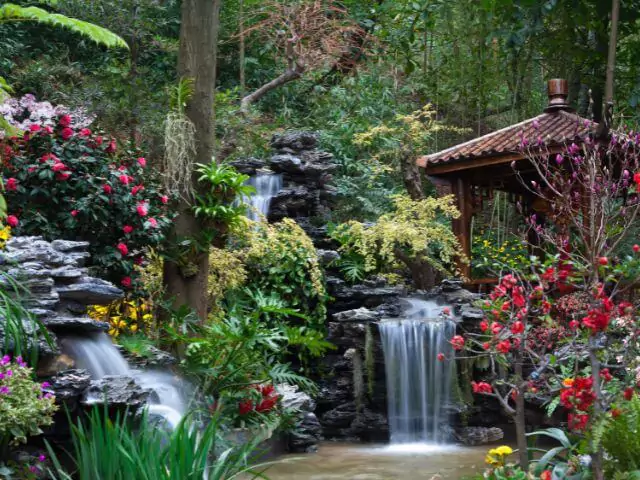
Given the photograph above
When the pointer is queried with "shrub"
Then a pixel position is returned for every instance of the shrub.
(67, 182)
(25, 406)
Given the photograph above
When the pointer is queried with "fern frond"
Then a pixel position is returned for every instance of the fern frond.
(11, 12)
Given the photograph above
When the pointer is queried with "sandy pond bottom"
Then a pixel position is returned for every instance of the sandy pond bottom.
(338, 461)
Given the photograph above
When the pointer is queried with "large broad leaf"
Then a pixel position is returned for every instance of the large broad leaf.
(556, 434)
(12, 12)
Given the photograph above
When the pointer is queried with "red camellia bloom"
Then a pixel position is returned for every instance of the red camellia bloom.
(11, 185)
(628, 393)
(106, 188)
(124, 179)
(124, 250)
(142, 162)
(74, 213)
(481, 387)
(85, 132)
(504, 346)
(62, 176)
(127, 229)
(12, 221)
(65, 120)
(603, 261)
(164, 199)
(578, 421)
(441, 357)
(142, 209)
(34, 128)
(49, 156)
(597, 320)
(486, 345)
(495, 328)
(517, 327)
(58, 167)
(126, 282)
(136, 189)
(605, 374)
(636, 248)
(66, 133)
(111, 148)
(153, 222)
(457, 342)
(484, 325)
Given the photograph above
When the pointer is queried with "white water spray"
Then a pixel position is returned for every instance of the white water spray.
(418, 384)
(267, 186)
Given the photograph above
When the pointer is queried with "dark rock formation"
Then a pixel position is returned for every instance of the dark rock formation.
(119, 392)
(307, 431)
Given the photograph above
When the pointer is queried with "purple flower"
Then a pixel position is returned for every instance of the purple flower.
(41, 458)
(9, 373)
(573, 149)
(536, 124)
(45, 385)
(5, 360)
(48, 395)
(559, 159)
(4, 391)
(1, 376)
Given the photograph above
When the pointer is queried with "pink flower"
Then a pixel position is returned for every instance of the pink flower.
(127, 229)
(124, 179)
(517, 327)
(153, 222)
(85, 132)
(457, 342)
(441, 357)
(124, 250)
(106, 188)
(636, 248)
(142, 162)
(111, 148)
(74, 213)
(142, 209)
(126, 282)
(136, 189)
(62, 176)
(164, 199)
(603, 260)
(31, 169)
(122, 168)
(11, 184)
(66, 133)
(48, 129)
(58, 167)
(65, 120)
(49, 156)
(12, 221)
(34, 128)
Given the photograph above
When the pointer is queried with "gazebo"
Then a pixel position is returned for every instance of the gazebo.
(474, 169)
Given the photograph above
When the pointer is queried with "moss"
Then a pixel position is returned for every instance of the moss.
(369, 360)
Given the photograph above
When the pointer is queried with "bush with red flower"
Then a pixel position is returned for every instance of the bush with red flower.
(66, 181)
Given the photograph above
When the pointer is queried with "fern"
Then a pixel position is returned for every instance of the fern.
(620, 438)
(551, 407)
(10, 12)
(281, 373)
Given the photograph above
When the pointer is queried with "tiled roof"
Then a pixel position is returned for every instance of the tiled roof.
(554, 128)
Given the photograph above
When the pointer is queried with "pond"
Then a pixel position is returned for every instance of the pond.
(342, 461)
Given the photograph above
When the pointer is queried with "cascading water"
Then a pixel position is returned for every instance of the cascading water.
(417, 383)
(97, 354)
(267, 185)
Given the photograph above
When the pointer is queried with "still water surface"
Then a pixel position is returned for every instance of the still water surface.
(338, 461)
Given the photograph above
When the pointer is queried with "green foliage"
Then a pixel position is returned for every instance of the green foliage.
(621, 439)
(562, 460)
(281, 260)
(24, 407)
(15, 13)
(490, 256)
(117, 449)
(414, 231)
(71, 184)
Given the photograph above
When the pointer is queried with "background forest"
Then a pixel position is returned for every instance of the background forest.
(381, 59)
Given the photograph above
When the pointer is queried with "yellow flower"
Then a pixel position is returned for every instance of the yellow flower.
(133, 328)
(567, 382)
(504, 450)
(492, 461)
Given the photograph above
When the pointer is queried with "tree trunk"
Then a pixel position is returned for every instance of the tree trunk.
(607, 115)
(520, 420)
(289, 75)
(197, 60)
(242, 48)
(411, 177)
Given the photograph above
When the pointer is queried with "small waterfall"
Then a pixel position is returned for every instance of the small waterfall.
(267, 185)
(99, 356)
(418, 384)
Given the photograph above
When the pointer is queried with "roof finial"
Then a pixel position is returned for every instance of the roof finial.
(558, 91)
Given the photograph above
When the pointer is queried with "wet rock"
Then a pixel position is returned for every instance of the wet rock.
(35, 335)
(326, 257)
(292, 397)
(361, 315)
(74, 324)
(69, 246)
(370, 426)
(295, 141)
(69, 385)
(336, 422)
(451, 285)
(91, 291)
(478, 435)
(461, 296)
(116, 391)
(471, 314)
(153, 357)
(286, 163)
(306, 434)
(248, 166)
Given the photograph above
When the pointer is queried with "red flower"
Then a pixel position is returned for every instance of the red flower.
(85, 132)
(441, 357)
(484, 325)
(603, 261)
(66, 133)
(636, 248)
(605, 374)
(65, 120)
(495, 328)
(517, 327)
(48, 129)
(124, 250)
(49, 156)
(124, 179)
(486, 345)
(164, 199)
(58, 167)
(628, 393)
(446, 311)
(546, 475)
(126, 282)
(616, 412)
(481, 387)
(98, 141)
(457, 342)
(267, 404)
(127, 229)
(574, 324)
(142, 162)
(136, 189)
(106, 188)
(12, 221)
(34, 128)
(597, 321)
(578, 421)
(142, 209)
(504, 346)
(74, 213)
(11, 184)
(153, 222)
(111, 148)
(245, 407)
(518, 297)
(62, 176)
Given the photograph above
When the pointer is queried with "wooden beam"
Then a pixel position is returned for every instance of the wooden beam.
(462, 225)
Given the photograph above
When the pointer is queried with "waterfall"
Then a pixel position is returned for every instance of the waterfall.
(418, 384)
(99, 356)
(267, 185)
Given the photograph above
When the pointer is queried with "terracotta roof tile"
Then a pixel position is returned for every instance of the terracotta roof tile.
(554, 128)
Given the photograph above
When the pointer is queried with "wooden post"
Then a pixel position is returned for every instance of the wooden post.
(462, 226)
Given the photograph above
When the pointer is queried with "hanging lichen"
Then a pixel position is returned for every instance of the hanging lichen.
(358, 380)
(369, 360)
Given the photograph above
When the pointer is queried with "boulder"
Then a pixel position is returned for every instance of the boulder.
(370, 426)
(473, 436)
(327, 257)
(91, 291)
(248, 166)
(61, 323)
(306, 434)
(116, 391)
(360, 315)
(291, 397)
(69, 385)
(295, 140)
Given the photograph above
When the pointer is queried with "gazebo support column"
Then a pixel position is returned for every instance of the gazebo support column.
(462, 226)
